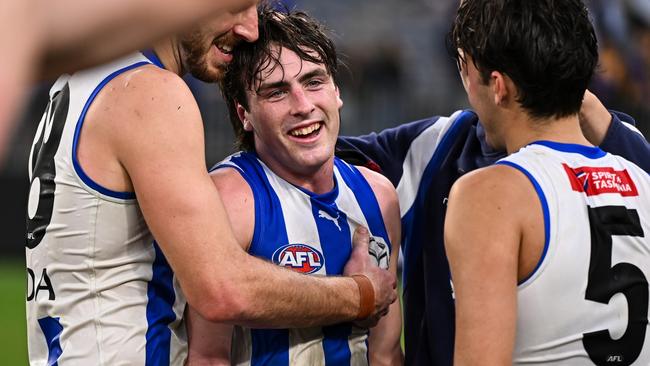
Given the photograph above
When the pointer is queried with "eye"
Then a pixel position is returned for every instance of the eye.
(275, 94)
(314, 83)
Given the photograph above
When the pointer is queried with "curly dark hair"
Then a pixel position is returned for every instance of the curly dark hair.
(547, 47)
(290, 29)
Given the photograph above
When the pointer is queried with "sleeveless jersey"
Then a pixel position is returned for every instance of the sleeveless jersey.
(586, 303)
(99, 292)
(311, 234)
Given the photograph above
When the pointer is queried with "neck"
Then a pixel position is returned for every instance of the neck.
(524, 130)
(318, 180)
(168, 50)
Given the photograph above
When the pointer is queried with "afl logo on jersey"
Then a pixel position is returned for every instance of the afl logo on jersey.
(299, 257)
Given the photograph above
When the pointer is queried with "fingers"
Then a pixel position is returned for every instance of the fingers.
(359, 258)
(361, 239)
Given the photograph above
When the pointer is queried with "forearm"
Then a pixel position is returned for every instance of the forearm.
(272, 297)
(209, 343)
(83, 33)
(384, 346)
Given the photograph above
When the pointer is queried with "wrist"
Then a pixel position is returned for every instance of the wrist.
(366, 296)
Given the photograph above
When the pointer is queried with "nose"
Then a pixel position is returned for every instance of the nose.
(246, 27)
(301, 105)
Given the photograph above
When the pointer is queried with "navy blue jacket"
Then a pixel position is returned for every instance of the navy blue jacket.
(423, 159)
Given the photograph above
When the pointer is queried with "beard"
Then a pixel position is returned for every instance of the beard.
(195, 49)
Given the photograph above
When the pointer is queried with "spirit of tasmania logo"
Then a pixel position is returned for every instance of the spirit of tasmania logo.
(598, 180)
(299, 257)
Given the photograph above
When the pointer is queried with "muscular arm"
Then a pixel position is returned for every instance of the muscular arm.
(159, 142)
(79, 34)
(384, 340)
(210, 342)
(486, 213)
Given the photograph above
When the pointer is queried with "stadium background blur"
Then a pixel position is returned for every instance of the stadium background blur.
(398, 70)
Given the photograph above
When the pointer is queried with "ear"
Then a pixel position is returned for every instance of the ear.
(339, 101)
(242, 113)
(502, 87)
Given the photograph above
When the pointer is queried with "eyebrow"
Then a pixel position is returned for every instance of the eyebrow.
(282, 83)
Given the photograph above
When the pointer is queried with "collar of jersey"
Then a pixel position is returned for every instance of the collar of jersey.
(151, 55)
(591, 152)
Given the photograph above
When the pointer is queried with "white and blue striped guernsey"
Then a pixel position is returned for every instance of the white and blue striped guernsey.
(100, 291)
(312, 234)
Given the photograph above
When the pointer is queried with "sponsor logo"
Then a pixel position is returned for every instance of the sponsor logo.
(324, 215)
(39, 285)
(598, 180)
(299, 257)
(615, 358)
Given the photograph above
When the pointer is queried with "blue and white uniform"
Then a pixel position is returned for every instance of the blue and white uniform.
(423, 159)
(312, 234)
(99, 292)
(586, 303)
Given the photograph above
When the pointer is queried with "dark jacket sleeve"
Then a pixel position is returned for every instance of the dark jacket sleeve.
(384, 151)
(623, 141)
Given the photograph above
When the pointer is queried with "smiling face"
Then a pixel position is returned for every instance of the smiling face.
(294, 116)
(206, 49)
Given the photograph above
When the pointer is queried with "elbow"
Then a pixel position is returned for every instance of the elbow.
(225, 304)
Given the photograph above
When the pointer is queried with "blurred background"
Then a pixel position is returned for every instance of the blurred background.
(398, 70)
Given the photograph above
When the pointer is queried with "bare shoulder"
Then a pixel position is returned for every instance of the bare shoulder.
(489, 206)
(237, 197)
(388, 203)
(383, 188)
(144, 96)
(148, 114)
(232, 186)
(498, 183)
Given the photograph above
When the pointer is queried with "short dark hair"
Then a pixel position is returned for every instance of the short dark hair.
(547, 47)
(290, 29)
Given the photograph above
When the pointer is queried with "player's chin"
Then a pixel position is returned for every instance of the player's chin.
(210, 73)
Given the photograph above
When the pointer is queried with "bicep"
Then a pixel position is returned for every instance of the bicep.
(384, 339)
(482, 244)
(161, 149)
(239, 202)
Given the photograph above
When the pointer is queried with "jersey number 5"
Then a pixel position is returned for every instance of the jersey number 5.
(43, 169)
(604, 281)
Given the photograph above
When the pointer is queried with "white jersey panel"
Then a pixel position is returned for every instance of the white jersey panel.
(95, 275)
(587, 302)
(318, 230)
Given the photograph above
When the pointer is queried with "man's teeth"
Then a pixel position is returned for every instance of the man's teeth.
(224, 49)
(305, 130)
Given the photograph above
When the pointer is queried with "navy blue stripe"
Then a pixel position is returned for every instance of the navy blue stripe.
(160, 311)
(365, 197)
(52, 329)
(153, 57)
(77, 167)
(547, 221)
(335, 345)
(269, 346)
(590, 152)
(334, 240)
(336, 244)
(412, 244)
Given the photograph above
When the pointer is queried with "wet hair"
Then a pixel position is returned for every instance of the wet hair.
(547, 47)
(289, 29)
